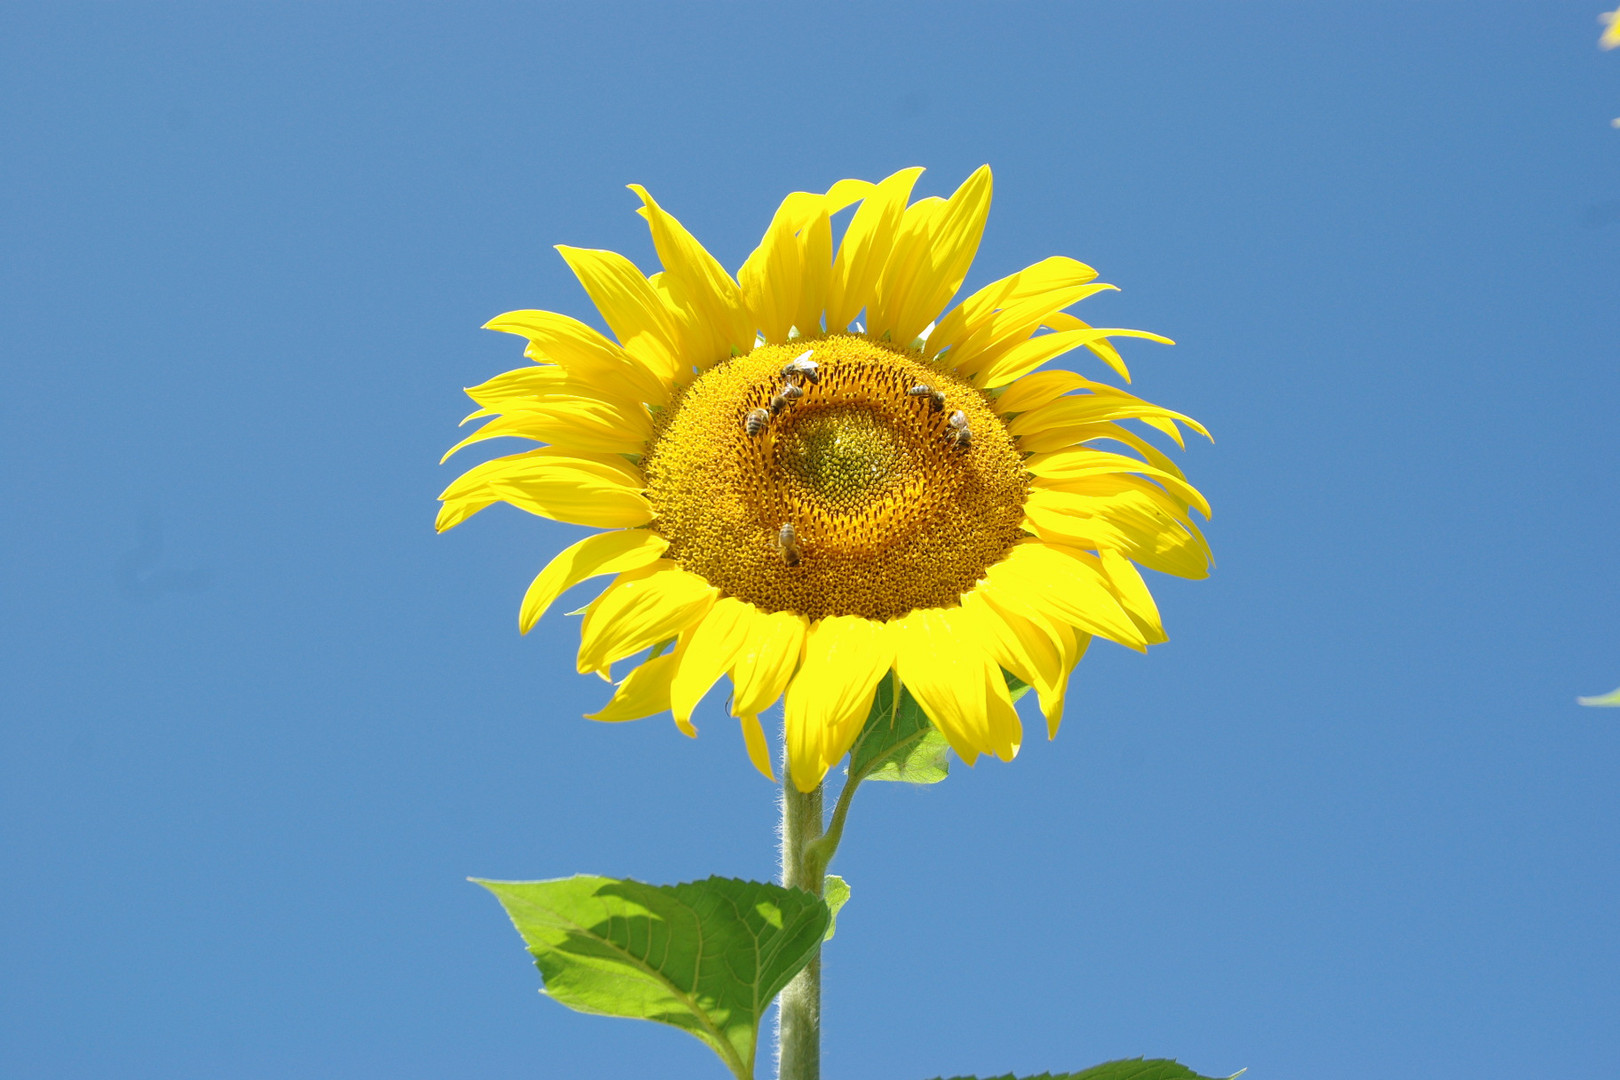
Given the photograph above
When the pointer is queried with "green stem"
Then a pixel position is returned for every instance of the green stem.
(799, 1016)
(819, 854)
(806, 854)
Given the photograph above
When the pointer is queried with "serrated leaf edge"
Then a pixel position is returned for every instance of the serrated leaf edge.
(738, 1067)
(729, 1053)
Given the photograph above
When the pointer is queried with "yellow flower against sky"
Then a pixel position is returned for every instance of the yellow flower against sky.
(807, 503)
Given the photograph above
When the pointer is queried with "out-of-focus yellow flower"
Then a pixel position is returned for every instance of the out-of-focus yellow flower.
(1611, 35)
(807, 504)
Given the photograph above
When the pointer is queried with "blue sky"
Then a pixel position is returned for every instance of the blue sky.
(259, 722)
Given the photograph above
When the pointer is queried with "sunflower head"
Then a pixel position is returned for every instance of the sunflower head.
(806, 502)
(842, 488)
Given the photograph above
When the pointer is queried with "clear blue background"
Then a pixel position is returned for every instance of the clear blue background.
(260, 722)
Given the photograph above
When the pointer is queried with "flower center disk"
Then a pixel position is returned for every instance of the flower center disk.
(888, 506)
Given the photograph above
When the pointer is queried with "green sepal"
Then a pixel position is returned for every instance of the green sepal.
(1016, 687)
(1125, 1069)
(835, 893)
(706, 956)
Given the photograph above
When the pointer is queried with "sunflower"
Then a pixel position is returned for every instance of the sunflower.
(811, 504)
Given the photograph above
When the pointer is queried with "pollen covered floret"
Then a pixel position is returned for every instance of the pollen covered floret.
(887, 513)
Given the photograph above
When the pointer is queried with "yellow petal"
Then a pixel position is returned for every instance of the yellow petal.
(692, 273)
(581, 424)
(784, 281)
(635, 313)
(1003, 330)
(521, 385)
(866, 247)
(1030, 624)
(1074, 645)
(1053, 425)
(580, 489)
(640, 609)
(770, 278)
(930, 259)
(1086, 532)
(1026, 356)
(758, 752)
(1033, 391)
(644, 692)
(610, 466)
(944, 665)
(459, 509)
(764, 668)
(584, 353)
(1025, 648)
(1123, 512)
(1057, 272)
(469, 493)
(1064, 469)
(695, 340)
(844, 657)
(1059, 582)
(909, 259)
(1153, 455)
(600, 553)
(710, 651)
(1102, 349)
(578, 493)
(815, 253)
(1127, 585)
(1006, 731)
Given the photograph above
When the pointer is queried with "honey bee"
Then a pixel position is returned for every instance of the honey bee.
(787, 544)
(791, 391)
(778, 403)
(755, 421)
(936, 400)
(802, 366)
(960, 435)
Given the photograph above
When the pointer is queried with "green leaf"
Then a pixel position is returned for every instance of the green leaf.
(1126, 1069)
(898, 742)
(1609, 700)
(835, 892)
(706, 956)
